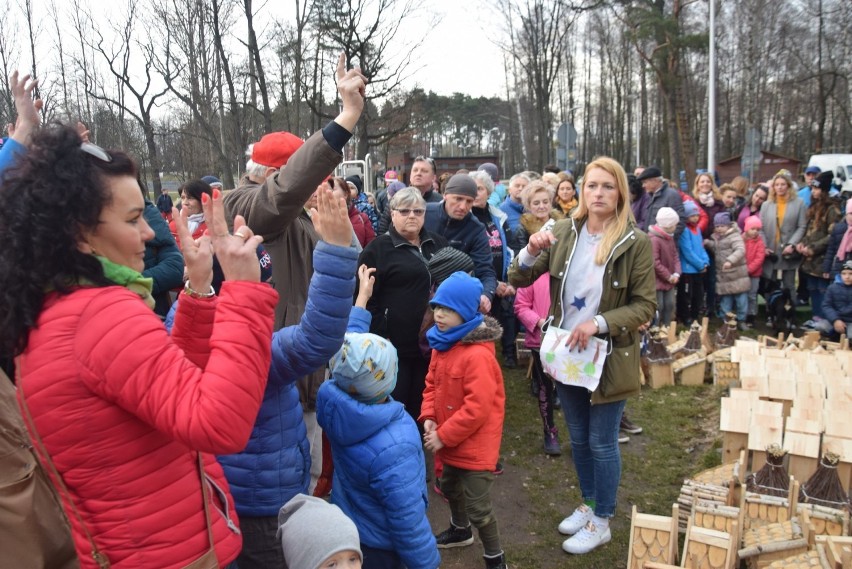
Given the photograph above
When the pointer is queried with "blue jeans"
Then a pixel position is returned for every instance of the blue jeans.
(726, 304)
(594, 444)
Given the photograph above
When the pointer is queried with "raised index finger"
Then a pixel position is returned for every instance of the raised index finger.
(341, 66)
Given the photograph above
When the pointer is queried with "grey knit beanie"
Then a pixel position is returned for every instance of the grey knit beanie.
(461, 184)
(312, 530)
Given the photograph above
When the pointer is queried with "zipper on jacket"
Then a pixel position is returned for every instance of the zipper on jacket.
(223, 497)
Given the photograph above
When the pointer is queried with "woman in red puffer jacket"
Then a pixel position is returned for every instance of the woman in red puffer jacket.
(120, 413)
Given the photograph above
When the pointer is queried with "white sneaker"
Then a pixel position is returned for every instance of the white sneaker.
(587, 539)
(575, 522)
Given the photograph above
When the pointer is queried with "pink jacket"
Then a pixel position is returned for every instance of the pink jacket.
(666, 259)
(123, 409)
(755, 255)
(532, 303)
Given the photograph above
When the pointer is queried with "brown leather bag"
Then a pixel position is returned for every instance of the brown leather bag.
(35, 532)
(206, 561)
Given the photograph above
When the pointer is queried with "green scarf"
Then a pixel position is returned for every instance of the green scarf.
(130, 279)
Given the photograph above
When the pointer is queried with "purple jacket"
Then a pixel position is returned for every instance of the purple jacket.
(640, 209)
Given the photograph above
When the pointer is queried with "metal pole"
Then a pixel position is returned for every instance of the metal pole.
(711, 99)
(637, 118)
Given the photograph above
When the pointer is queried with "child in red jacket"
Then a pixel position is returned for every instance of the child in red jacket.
(755, 255)
(462, 412)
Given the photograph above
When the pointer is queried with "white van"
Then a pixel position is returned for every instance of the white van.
(840, 164)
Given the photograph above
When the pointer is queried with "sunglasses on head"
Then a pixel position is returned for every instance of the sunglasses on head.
(96, 151)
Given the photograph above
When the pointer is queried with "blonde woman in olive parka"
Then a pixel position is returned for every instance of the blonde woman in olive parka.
(602, 284)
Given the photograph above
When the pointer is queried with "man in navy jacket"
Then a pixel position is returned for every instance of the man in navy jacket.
(452, 219)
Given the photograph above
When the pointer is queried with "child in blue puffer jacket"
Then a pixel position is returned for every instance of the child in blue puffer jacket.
(694, 262)
(379, 469)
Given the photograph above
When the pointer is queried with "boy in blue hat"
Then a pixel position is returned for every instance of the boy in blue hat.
(379, 468)
(462, 412)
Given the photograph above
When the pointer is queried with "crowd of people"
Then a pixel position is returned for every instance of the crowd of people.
(217, 385)
(718, 248)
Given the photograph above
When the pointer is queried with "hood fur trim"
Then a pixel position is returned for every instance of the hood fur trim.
(489, 331)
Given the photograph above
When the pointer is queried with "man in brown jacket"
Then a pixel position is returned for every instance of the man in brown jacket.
(272, 199)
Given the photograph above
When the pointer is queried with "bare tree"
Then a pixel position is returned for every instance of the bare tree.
(364, 31)
(144, 96)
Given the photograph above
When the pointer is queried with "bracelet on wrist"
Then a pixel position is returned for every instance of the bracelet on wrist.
(189, 291)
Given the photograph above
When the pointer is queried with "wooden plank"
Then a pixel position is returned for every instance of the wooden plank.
(806, 388)
(802, 425)
(660, 375)
(740, 393)
(782, 387)
(802, 467)
(771, 408)
(801, 444)
(735, 416)
(808, 413)
(753, 367)
(839, 389)
(732, 445)
(810, 339)
(765, 430)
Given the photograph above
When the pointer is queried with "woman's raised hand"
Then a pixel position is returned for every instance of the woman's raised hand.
(331, 219)
(27, 109)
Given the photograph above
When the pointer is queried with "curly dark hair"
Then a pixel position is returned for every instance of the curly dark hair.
(47, 199)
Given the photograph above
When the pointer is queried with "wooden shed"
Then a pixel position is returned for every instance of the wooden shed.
(770, 163)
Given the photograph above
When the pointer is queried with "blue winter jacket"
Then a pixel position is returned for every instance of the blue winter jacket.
(466, 235)
(837, 303)
(163, 259)
(379, 470)
(693, 256)
(498, 195)
(276, 463)
(9, 153)
(513, 211)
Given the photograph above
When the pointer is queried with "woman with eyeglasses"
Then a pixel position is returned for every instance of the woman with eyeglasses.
(401, 293)
(127, 420)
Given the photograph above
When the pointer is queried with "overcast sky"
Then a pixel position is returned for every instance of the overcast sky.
(460, 55)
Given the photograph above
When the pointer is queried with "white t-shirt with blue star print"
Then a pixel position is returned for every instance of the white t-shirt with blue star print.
(581, 293)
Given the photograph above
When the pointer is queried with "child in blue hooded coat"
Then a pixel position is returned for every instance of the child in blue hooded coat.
(379, 469)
